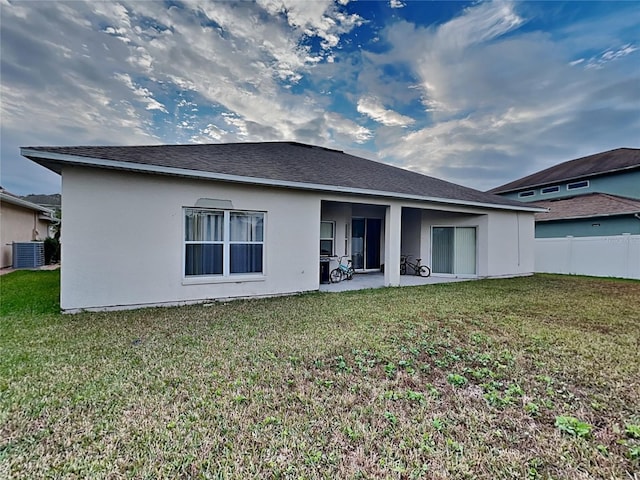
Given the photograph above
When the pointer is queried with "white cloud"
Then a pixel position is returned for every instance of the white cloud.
(499, 106)
(610, 55)
(374, 109)
(493, 98)
(397, 4)
(345, 127)
(142, 94)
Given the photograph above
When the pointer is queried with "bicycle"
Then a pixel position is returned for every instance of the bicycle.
(342, 271)
(418, 269)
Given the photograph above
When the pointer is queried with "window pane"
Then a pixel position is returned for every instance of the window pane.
(326, 247)
(246, 227)
(246, 258)
(465, 253)
(203, 226)
(442, 250)
(203, 259)
(326, 230)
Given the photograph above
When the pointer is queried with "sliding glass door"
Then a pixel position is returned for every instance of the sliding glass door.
(365, 243)
(453, 250)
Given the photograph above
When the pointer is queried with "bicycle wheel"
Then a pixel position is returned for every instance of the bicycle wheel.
(403, 269)
(336, 275)
(425, 271)
(350, 273)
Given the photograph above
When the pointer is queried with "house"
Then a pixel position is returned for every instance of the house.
(21, 221)
(592, 222)
(597, 195)
(177, 224)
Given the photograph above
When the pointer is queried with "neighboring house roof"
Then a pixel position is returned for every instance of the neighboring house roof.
(7, 197)
(588, 205)
(598, 164)
(285, 164)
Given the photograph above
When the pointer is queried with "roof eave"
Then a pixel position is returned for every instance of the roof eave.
(43, 158)
(24, 203)
(584, 217)
(568, 179)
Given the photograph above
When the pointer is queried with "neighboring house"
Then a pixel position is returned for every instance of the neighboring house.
(592, 226)
(21, 221)
(596, 195)
(176, 224)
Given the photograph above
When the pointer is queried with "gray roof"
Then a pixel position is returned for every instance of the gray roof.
(289, 162)
(584, 167)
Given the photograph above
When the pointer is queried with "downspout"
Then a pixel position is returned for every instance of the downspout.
(518, 227)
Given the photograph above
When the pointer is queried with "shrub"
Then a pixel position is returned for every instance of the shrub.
(51, 250)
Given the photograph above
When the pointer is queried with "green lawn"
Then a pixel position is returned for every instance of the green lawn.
(523, 378)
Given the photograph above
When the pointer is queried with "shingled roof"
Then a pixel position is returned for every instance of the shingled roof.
(584, 167)
(285, 164)
(586, 206)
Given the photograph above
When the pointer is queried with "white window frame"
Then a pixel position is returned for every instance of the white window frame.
(455, 275)
(333, 238)
(569, 185)
(557, 189)
(527, 193)
(226, 242)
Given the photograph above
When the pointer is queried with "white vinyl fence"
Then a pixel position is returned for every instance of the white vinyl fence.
(614, 256)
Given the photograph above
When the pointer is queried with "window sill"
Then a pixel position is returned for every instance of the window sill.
(220, 279)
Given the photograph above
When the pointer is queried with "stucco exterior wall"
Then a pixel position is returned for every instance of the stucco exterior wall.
(123, 239)
(510, 244)
(18, 224)
(123, 245)
(504, 239)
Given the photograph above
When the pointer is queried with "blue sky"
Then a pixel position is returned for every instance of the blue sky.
(477, 93)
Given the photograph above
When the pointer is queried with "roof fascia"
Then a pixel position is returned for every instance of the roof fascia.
(24, 203)
(584, 217)
(568, 179)
(183, 172)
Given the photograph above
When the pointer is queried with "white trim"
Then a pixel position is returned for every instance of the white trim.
(26, 204)
(333, 238)
(569, 188)
(557, 190)
(183, 172)
(226, 276)
(477, 255)
(232, 278)
(584, 217)
(529, 193)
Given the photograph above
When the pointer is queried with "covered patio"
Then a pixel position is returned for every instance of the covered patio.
(362, 281)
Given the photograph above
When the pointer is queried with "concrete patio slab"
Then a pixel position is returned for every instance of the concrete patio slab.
(362, 281)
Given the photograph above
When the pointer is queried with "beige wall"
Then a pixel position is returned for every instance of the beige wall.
(18, 224)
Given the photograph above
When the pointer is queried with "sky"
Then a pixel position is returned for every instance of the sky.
(476, 93)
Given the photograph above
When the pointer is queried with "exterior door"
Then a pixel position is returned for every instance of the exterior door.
(365, 243)
(453, 250)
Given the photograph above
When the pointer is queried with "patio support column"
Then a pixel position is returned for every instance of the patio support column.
(392, 228)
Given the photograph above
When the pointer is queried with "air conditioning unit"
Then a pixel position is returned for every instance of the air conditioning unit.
(28, 254)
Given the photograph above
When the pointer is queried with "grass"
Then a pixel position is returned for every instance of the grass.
(522, 378)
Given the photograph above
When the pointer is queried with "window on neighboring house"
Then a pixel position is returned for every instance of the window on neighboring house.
(223, 242)
(575, 185)
(327, 236)
(553, 189)
(528, 193)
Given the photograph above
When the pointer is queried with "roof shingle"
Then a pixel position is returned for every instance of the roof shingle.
(278, 161)
(598, 164)
(588, 205)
